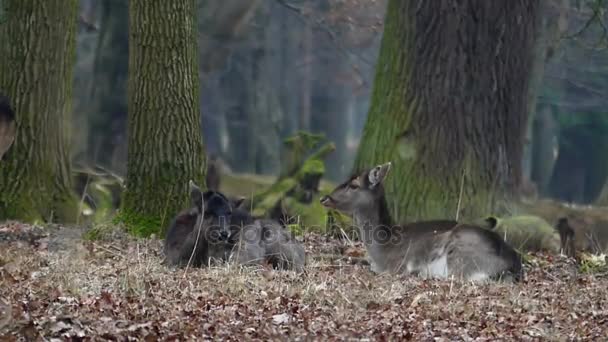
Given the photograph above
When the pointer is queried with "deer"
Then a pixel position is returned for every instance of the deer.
(576, 235)
(199, 234)
(215, 229)
(430, 249)
(282, 250)
(7, 125)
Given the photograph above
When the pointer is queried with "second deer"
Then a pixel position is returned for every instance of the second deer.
(438, 249)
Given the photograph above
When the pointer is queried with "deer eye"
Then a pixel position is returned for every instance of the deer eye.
(353, 186)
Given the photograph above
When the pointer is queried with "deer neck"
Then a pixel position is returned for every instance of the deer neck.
(374, 222)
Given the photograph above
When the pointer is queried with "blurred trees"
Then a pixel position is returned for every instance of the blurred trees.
(446, 109)
(165, 143)
(36, 67)
(569, 160)
(108, 93)
(271, 68)
(268, 69)
(295, 65)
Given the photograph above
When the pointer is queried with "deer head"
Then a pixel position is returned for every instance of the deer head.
(360, 193)
(215, 210)
(566, 236)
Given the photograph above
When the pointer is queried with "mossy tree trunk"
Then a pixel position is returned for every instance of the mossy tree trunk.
(450, 98)
(165, 141)
(37, 56)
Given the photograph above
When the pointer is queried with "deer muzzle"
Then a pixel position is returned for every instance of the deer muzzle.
(327, 201)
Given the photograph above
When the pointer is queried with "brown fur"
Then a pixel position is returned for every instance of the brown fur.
(580, 235)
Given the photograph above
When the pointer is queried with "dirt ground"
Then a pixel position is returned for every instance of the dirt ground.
(55, 286)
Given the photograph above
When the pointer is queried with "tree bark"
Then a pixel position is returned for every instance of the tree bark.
(37, 56)
(165, 141)
(450, 98)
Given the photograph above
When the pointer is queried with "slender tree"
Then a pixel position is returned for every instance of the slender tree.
(108, 106)
(165, 142)
(37, 56)
(449, 104)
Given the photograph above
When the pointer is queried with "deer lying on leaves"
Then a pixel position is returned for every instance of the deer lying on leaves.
(216, 230)
(578, 236)
(197, 232)
(429, 249)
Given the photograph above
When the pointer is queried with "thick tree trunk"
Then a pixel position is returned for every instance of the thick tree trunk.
(108, 118)
(165, 142)
(37, 56)
(450, 98)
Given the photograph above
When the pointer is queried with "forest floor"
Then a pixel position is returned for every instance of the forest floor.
(57, 286)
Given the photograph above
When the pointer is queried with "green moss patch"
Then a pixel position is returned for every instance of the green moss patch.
(526, 233)
(139, 225)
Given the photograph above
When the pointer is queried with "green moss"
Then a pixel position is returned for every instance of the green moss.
(65, 210)
(527, 233)
(304, 140)
(103, 200)
(139, 225)
(311, 167)
(40, 207)
(22, 209)
(266, 200)
(244, 184)
(312, 217)
(295, 229)
(592, 263)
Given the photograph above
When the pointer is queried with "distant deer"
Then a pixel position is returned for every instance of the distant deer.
(429, 249)
(576, 235)
(566, 236)
(7, 125)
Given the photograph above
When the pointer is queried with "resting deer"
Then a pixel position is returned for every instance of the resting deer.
(282, 250)
(226, 232)
(576, 235)
(200, 233)
(429, 249)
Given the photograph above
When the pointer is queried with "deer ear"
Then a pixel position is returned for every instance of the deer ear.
(378, 174)
(491, 222)
(196, 196)
(238, 202)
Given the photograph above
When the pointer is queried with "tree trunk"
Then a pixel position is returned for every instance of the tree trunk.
(581, 167)
(107, 120)
(536, 80)
(165, 142)
(450, 98)
(544, 133)
(307, 70)
(36, 61)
